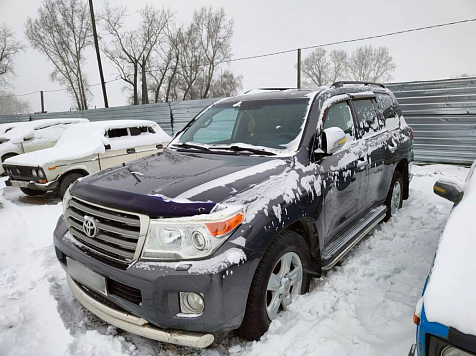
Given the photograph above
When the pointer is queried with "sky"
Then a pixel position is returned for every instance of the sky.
(265, 26)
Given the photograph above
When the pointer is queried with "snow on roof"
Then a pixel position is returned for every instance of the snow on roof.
(24, 129)
(450, 295)
(83, 140)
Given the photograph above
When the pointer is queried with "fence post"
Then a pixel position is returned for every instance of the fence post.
(299, 69)
(42, 102)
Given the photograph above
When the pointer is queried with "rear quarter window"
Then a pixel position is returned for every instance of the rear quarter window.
(366, 117)
(388, 110)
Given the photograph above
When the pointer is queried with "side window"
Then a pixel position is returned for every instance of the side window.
(219, 128)
(387, 108)
(366, 117)
(113, 133)
(136, 131)
(340, 116)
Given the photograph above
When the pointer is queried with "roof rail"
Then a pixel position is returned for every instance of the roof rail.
(268, 89)
(341, 83)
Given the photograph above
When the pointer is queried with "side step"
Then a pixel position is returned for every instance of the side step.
(342, 244)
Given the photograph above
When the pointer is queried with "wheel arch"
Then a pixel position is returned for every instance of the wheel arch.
(306, 228)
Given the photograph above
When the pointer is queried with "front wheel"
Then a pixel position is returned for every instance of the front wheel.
(279, 278)
(66, 181)
(394, 199)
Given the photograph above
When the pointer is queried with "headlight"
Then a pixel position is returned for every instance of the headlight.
(40, 173)
(66, 199)
(190, 237)
(453, 351)
(33, 173)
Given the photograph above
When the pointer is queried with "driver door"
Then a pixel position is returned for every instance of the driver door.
(345, 176)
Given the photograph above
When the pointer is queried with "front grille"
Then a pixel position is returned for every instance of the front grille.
(20, 173)
(118, 234)
(128, 293)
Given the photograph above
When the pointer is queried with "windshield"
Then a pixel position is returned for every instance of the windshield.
(269, 124)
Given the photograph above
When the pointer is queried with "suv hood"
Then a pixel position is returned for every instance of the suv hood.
(177, 183)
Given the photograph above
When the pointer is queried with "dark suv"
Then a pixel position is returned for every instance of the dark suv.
(223, 229)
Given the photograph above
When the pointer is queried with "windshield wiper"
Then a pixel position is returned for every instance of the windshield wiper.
(189, 145)
(249, 149)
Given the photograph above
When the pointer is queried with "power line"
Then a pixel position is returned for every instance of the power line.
(293, 50)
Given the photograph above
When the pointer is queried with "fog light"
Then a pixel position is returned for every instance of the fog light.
(191, 303)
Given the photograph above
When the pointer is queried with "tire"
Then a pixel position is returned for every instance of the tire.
(394, 200)
(288, 244)
(66, 181)
(32, 192)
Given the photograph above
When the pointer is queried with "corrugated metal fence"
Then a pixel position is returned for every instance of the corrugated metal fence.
(170, 116)
(442, 114)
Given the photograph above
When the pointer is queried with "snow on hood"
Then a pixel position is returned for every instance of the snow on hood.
(24, 129)
(450, 295)
(87, 139)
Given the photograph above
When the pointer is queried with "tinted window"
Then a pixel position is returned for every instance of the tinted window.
(340, 116)
(387, 108)
(218, 129)
(366, 117)
(112, 133)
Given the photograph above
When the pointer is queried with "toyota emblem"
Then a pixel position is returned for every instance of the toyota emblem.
(90, 227)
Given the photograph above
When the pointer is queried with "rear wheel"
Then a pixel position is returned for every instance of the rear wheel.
(66, 181)
(32, 192)
(279, 277)
(394, 199)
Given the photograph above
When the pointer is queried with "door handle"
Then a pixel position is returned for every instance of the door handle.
(362, 162)
(131, 150)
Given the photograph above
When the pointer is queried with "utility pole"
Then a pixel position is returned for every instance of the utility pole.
(98, 54)
(299, 69)
(42, 102)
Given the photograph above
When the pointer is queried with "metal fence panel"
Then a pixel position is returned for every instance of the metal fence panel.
(442, 114)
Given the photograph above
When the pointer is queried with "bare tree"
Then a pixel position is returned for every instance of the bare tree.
(369, 64)
(9, 48)
(338, 65)
(130, 50)
(227, 84)
(62, 31)
(215, 41)
(11, 105)
(316, 67)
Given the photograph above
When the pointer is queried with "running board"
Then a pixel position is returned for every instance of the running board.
(342, 244)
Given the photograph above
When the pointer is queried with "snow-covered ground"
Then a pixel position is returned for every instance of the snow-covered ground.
(362, 307)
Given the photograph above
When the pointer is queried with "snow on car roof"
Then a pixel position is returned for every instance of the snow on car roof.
(24, 129)
(450, 295)
(83, 140)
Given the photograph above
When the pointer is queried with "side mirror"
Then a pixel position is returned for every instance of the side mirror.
(332, 139)
(107, 147)
(450, 189)
(29, 137)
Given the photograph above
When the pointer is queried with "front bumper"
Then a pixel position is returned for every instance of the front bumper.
(32, 184)
(137, 325)
(225, 288)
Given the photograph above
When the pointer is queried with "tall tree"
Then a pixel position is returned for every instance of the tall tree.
(62, 31)
(371, 64)
(316, 67)
(339, 62)
(130, 50)
(9, 48)
(215, 41)
(226, 84)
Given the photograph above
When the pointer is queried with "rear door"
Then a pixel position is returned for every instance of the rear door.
(344, 174)
(375, 139)
(121, 148)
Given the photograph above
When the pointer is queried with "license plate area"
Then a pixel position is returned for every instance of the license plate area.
(20, 184)
(86, 276)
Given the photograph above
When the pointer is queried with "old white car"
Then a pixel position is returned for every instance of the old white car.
(22, 137)
(84, 149)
